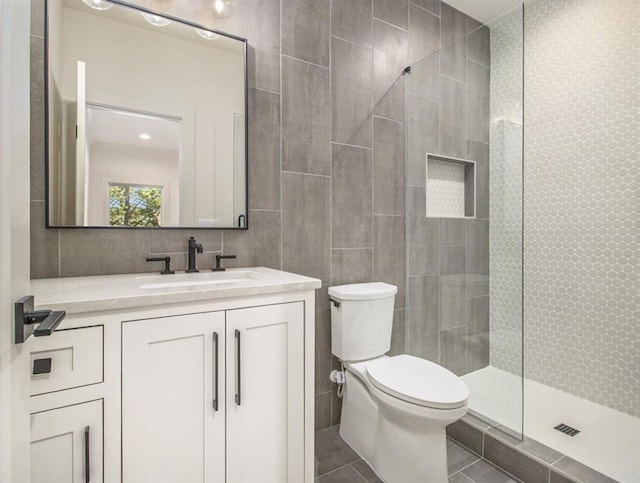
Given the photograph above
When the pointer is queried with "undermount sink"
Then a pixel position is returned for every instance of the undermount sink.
(229, 277)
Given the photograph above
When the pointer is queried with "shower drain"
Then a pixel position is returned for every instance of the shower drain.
(566, 429)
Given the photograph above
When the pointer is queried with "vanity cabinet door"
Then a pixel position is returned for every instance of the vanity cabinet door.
(66, 444)
(172, 430)
(265, 394)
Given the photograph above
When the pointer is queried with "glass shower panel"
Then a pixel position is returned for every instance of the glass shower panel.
(463, 133)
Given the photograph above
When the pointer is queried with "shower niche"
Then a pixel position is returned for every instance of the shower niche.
(451, 187)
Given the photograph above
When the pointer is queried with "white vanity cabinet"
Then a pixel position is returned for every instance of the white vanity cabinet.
(67, 434)
(190, 384)
(66, 444)
(204, 397)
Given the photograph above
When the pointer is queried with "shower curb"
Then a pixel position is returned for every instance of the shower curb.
(527, 460)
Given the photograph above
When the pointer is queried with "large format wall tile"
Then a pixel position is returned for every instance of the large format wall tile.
(37, 121)
(478, 46)
(477, 252)
(453, 59)
(305, 30)
(390, 52)
(44, 244)
(305, 221)
(264, 150)
(424, 33)
(422, 317)
(453, 350)
(351, 204)
(351, 265)
(432, 6)
(306, 117)
(395, 12)
(260, 246)
(423, 235)
(423, 132)
(478, 102)
(424, 80)
(388, 167)
(453, 118)
(389, 253)
(103, 252)
(351, 20)
(351, 93)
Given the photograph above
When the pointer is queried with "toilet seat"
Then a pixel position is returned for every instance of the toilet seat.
(417, 381)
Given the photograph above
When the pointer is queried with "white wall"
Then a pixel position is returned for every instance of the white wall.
(132, 165)
(136, 68)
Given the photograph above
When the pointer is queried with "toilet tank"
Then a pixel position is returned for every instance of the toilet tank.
(361, 320)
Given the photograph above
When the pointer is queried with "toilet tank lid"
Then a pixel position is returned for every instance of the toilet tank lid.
(363, 291)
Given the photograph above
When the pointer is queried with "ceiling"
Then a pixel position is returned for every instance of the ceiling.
(112, 126)
(487, 10)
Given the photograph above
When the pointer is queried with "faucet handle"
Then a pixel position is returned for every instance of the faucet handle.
(167, 264)
(218, 268)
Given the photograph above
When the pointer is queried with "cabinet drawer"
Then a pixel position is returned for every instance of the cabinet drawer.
(66, 359)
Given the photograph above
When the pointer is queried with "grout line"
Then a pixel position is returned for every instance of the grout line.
(304, 174)
(268, 90)
(304, 61)
(356, 470)
(352, 145)
(425, 10)
(387, 119)
(390, 24)
(357, 44)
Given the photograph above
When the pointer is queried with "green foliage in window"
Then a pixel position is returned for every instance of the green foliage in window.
(134, 205)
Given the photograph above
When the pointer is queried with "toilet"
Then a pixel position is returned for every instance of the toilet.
(395, 409)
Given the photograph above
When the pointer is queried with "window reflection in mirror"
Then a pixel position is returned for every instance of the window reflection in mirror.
(153, 110)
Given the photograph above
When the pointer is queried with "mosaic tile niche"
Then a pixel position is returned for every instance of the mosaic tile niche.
(582, 192)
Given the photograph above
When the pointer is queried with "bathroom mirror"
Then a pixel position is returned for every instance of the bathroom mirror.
(146, 120)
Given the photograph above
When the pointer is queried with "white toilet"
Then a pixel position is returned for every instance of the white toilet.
(395, 409)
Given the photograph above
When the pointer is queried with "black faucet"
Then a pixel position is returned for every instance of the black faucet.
(193, 248)
(218, 268)
(167, 264)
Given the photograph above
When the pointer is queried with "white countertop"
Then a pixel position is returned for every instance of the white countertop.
(111, 292)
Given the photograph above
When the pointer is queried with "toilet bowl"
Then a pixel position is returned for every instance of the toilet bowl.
(395, 409)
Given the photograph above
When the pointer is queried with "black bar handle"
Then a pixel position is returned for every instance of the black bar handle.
(215, 371)
(335, 302)
(167, 264)
(49, 324)
(242, 221)
(238, 369)
(87, 462)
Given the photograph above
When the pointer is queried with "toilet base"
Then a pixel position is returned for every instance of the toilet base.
(402, 442)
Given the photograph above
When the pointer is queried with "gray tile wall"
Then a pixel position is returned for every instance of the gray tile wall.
(326, 170)
(447, 315)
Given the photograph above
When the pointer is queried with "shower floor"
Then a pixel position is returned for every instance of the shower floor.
(609, 441)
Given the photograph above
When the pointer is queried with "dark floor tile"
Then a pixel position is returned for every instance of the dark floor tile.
(558, 478)
(467, 435)
(458, 457)
(460, 478)
(513, 461)
(581, 472)
(529, 446)
(332, 452)
(483, 472)
(366, 472)
(344, 475)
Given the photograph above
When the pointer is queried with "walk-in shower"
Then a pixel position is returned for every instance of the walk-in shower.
(523, 221)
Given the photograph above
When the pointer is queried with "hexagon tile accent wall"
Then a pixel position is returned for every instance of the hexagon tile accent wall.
(582, 199)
